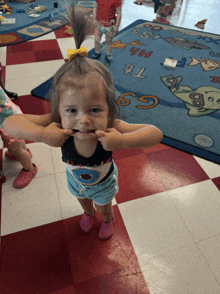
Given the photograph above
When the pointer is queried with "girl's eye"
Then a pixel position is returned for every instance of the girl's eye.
(71, 110)
(96, 110)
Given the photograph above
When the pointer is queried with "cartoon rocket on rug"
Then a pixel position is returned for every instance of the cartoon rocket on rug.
(207, 64)
(201, 101)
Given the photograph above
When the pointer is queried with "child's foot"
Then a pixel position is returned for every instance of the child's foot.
(96, 55)
(87, 222)
(107, 230)
(25, 177)
(138, 2)
(161, 20)
(9, 156)
(108, 58)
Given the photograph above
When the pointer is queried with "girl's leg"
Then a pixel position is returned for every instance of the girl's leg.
(109, 38)
(87, 205)
(88, 218)
(23, 156)
(98, 35)
(23, 145)
(106, 211)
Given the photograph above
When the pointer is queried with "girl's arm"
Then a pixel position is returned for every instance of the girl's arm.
(127, 136)
(37, 128)
(138, 135)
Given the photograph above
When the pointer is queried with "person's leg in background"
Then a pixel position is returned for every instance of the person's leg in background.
(98, 36)
(11, 95)
(18, 151)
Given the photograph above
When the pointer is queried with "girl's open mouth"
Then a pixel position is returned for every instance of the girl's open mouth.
(85, 132)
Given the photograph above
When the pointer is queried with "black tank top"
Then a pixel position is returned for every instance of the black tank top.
(99, 157)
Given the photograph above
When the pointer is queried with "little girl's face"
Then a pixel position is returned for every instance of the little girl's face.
(84, 111)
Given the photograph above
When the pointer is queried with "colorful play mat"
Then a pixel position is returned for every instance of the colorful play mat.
(184, 101)
(27, 28)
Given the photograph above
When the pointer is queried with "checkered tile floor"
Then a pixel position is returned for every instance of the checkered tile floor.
(167, 211)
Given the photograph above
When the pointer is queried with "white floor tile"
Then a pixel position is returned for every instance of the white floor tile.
(210, 249)
(197, 10)
(24, 87)
(33, 70)
(33, 74)
(33, 206)
(180, 271)
(199, 207)
(212, 169)
(3, 53)
(154, 226)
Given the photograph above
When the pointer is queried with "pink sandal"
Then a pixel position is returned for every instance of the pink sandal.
(87, 222)
(9, 156)
(107, 230)
(24, 178)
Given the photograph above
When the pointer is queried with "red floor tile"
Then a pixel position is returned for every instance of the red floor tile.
(216, 181)
(45, 55)
(158, 147)
(125, 153)
(69, 290)
(20, 58)
(118, 282)
(98, 263)
(45, 45)
(32, 105)
(175, 168)
(21, 47)
(36, 261)
(137, 178)
(3, 73)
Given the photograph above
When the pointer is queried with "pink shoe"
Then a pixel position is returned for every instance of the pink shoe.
(87, 222)
(161, 20)
(24, 178)
(107, 230)
(9, 156)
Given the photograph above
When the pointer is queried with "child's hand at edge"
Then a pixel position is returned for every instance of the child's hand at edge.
(54, 135)
(115, 30)
(111, 139)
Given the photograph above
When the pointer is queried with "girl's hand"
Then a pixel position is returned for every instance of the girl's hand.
(115, 30)
(55, 136)
(111, 139)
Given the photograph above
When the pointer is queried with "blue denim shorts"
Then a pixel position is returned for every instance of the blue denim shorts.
(105, 30)
(101, 193)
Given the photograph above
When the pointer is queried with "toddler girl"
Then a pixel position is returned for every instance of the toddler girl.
(104, 13)
(17, 149)
(84, 121)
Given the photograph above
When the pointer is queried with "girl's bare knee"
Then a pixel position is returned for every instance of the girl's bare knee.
(15, 148)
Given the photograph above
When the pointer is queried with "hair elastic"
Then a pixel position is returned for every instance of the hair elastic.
(72, 53)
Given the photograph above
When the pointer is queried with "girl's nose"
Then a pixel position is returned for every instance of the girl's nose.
(84, 118)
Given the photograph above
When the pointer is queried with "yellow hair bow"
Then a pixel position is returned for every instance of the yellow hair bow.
(72, 53)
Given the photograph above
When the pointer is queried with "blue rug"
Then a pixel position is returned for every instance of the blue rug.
(27, 28)
(184, 102)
